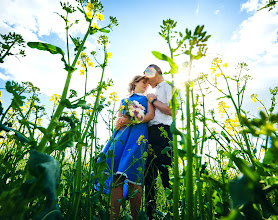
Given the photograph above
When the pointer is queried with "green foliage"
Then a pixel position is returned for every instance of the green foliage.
(11, 41)
(173, 65)
(271, 4)
(51, 49)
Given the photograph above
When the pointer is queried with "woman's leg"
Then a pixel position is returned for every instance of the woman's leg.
(116, 194)
(135, 202)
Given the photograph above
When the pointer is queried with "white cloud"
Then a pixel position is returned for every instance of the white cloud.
(197, 10)
(216, 12)
(251, 5)
(255, 42)
(34, 19)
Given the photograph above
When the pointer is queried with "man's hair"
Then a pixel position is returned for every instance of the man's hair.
(158, 70)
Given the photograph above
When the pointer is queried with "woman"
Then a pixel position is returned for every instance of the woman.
(129, 143)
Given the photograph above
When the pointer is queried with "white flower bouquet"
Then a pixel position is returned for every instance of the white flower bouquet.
(134, 110)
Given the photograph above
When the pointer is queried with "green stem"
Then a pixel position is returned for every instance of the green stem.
(175, 148)
(198, 165)
(60, 107)
(77, 182)
(189, 172)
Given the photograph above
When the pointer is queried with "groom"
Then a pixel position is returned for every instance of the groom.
(157, 162)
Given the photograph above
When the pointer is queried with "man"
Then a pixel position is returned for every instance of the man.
(157, 162)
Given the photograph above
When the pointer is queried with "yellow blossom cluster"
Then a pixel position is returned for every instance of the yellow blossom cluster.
(89, 111)
(90, 8)
(94, 26)
(141, 139)
(109, 55)
(254, 97)
(89, 14)
(84, 60)
(217, 64)
(55, 98)
(222, 107)
(73, 113)
(113, 96)
(39, 122)
(0, 96)
(232, 125)
(99, 17)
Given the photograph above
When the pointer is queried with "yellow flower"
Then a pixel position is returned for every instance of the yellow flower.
(78, 62)
(258, 108)
(113, 96)
(222, 107)
(55, 98)
(109, 55)
(140, 139)
(100, 16)
(83, 54)
(90, 6)
(91, 64)
(95, 26)
(254, 97)
(82, 72)
(225, 65)
(83, 66)
(39, 121)
(89, 14)
(87, 59)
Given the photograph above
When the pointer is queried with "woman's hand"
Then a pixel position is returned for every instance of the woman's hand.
(122, 121)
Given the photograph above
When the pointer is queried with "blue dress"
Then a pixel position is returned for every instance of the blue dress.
(130, 147)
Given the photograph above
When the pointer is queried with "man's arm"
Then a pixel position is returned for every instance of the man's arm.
(163, 107)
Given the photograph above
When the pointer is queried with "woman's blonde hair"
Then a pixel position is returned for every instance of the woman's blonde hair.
(135, 79)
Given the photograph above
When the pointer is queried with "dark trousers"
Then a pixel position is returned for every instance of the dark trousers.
(156, 162)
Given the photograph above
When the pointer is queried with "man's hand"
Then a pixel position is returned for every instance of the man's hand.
(122, 121)
(151, 97)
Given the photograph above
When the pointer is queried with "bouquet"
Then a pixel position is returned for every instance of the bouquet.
(134, 110)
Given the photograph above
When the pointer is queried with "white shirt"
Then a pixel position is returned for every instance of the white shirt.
(164, 94)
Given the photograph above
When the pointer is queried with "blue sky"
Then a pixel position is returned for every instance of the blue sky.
(239, 34)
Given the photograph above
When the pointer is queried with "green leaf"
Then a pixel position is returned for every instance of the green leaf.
(175, 131)
(47, 171)
(173, 65)
(225, 136)
(104, 30)
(66, 141)
(242, 192)
(46, 47)
(165, 150)
(223, 97)
(182, 153)
(1, 108)
(244, 168)
(142, 215)
(53, 50)
(21, 137)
